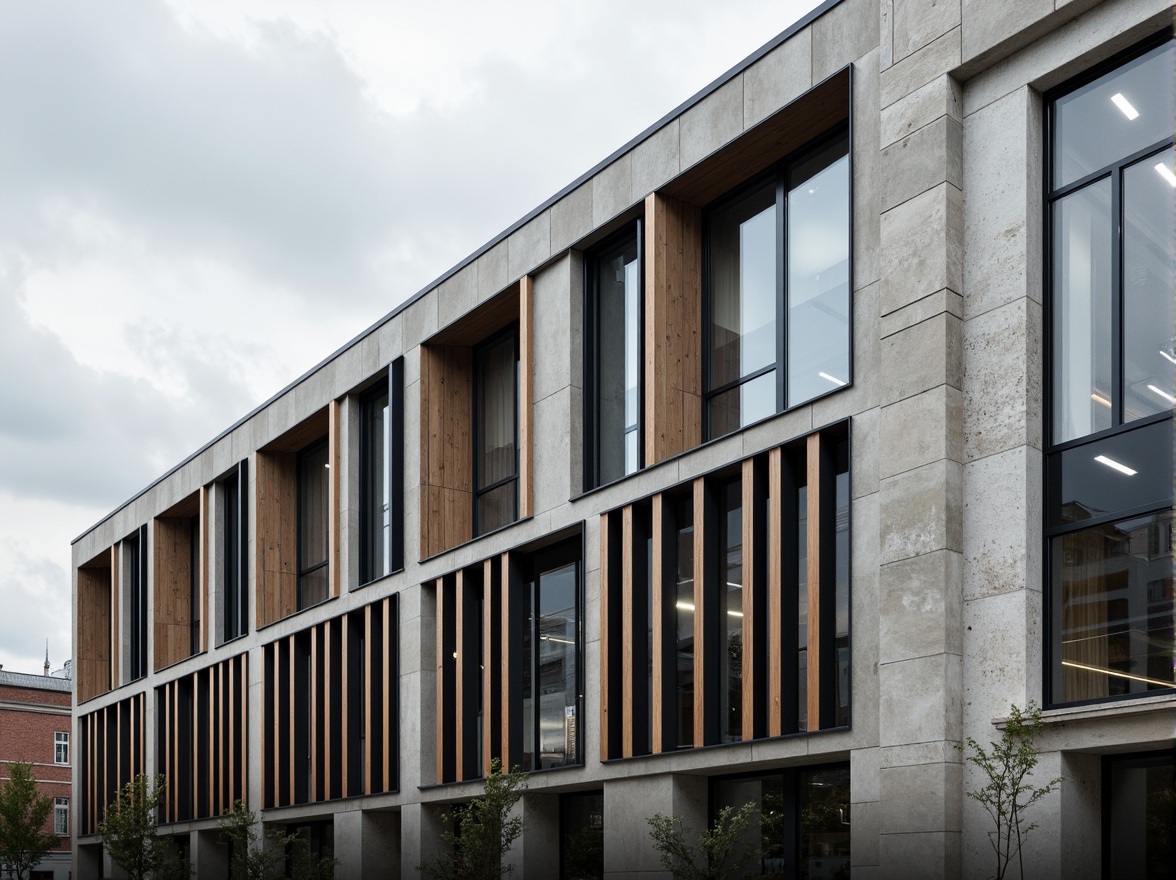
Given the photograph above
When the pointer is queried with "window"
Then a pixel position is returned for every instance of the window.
(234, 565)
(581, 835)
(381, 475)
(61, 817)
(61, 747)
(613, 368)
(1111, 375)
(313, 568)
(706, 635)
(496, 432)
(1139, 819)
(777, 274)
(802, 817)
(136, 561)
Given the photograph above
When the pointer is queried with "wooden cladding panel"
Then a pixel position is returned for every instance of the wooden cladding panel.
(526, 395)
(277, 535)
(110, 754)
(673, 327)
(173, 590)
(447, 417)
(93, 664)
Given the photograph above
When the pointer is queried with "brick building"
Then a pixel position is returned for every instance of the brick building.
(35, 728)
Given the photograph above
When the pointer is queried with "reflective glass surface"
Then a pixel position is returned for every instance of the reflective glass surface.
(731, 587)
(684, 608)
(618, 360)
(824, 823)
(1141, 826)
(375, 515)
(312, 525)
(1125, 111)
(556, 631)
(743, 404)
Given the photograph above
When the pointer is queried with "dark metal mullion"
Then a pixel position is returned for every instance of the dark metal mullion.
(242, 541)
(496, 484)
(742, 380)
(534, 661)
(394, 477)
(1075, 185)
(1106, 519)
(640, 349)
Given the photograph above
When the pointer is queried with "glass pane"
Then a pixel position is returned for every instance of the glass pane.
(1141, 830)
(312, 587)
(824, 823)
(743, 286)
(818, 276)
(1116, 115)
(524, 659)
(802, 606)
(769, 827)
(497, 428)
(496, 508)
(582, 843)
(312, 525)
(1113, 609)
(684, 606)
(231, 572)
(842, 575)
(743, 405)
(376, 531)
(556, 664)
(1149, 264)
(618, 368)
(731, 661)
(1082, 378)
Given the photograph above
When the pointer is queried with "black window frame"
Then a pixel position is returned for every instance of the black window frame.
(234, 555)
(510, 331)
(392, 385)
(779, 173)
(1053, 528)
(139, 610)
(303, 569)
(592, 334)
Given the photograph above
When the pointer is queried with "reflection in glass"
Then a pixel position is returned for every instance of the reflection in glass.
(842, 589)
(818, 276)
(684, 608)
(824, 823)
(312, 525)
(1141, 827)
(1083, 392)
(581, 835)
(1149, 263)
(802, 606)
(1113, 609)
(496, 433)
(555, 663)
(743, 405)
(375, 514)
(1093, 129)
(731, 585)
(617, 274)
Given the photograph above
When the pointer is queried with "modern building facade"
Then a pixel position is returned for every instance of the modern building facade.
(35, 729)
(769, 460)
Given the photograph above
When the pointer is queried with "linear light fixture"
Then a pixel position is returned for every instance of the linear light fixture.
(840, 383)
(1164, 394)
(687, 606)
(1117, 674)
(1166, 172)
(1115, 465)
(1124, 105)
(1168, 356)
(555, 639)
(1098, 398)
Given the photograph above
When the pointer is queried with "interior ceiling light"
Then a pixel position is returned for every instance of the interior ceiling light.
(1166, 172)
(1116, 673)
(1115, 465)
(1168, 356)
(1164, 394)
(840, 383)
(1124, 105)
(1098, 398)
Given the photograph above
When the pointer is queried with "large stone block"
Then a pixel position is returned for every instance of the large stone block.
(866, 210)
(920, 798)
(921, 511)
(552, 450)
(1002, 513)
(920, 607)
(922, 160)
(612, 190)
(921, 357)
(920, 701)
(864, 776)
(1002, 656)
(921, 429)
(571, 217)
(916, 70)
(655, 160)
(940, 97)
(493, 276)
(781, 76)
(988, 24)
(922, 247)
(419, 320)
(529, 246)
(917, 312)
(918, 23)
(712, 122)
(842, 35)
(555, 301)
(457, 295)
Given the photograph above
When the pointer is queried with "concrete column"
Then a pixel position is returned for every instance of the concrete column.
(367, 844)
(628, 803)
(921, 445)
(421, 828)
(209, 857)
(536, 852)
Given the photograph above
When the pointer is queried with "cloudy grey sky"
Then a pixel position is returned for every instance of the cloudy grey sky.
(200, 199)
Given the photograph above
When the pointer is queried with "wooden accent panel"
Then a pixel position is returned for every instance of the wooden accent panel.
(388, 685)
(93, 666)
(335, 460)
(660, 642)
(277, 535)
(483, 322)
(173, 589)
(526, 395)
(702, 615)
(776, 583)
(446, 450)
(627, 634)
(673, 327)
(750, 647)
(813, 538)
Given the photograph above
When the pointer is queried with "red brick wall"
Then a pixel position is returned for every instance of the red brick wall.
(28, 736)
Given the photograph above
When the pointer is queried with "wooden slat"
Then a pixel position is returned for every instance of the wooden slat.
(775, 594)
(750, 648)
(813, 652)
(276, 506)
(487, 665)
(439, 591)
(605, 647)
(657, 582)
(526, 394)
(387, 688)
(701, 618)
(335, 459)
(447, 513)
(627, 707)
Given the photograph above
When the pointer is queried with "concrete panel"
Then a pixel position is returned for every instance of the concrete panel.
(987, 24)
(767, 434)
(922, 160)
(529, 246)
(419, 321)
(1002, 380)
(866, 221)
(1002, 516)
(555, 301)
(1081, 812)
(1002, 645)
(864, 604)
(612, 190)
(943, 300)
(781, 76)
(571, 218)
(929, 855)
(921, 429)
(655, 160)
(842, 35)
(920, 607)
(918, 23)
(536, 852)
(940, 97)
(920, 700)
(711, 123)
(457, 295)
(420, 836)
(864, 776)
(920, 511)
(493, 276)
(628, 852)
(922, 247)
(916, 70)
(922, 357)
(921, 798)
(552, 451)
(863, 477)
(390, 342)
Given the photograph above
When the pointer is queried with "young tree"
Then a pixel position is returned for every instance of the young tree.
(130, 835)
(484, 831)
(1006, 792)
(23, 814)
(253, 858)
(718, 854)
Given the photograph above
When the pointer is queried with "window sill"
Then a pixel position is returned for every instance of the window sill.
(1099, 711)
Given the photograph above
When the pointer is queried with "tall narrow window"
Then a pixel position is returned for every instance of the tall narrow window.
(234, 574)
(375, 450)
(1139, 816)
(61, 816)
(61, 747)
(1112, 371)
(684, 620)
(613, 367)
(496, 428)
(730, 583)
(136, 561)
(313, 570)
(778, 290)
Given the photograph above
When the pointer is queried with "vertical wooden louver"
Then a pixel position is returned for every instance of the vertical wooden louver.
(110, 754)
